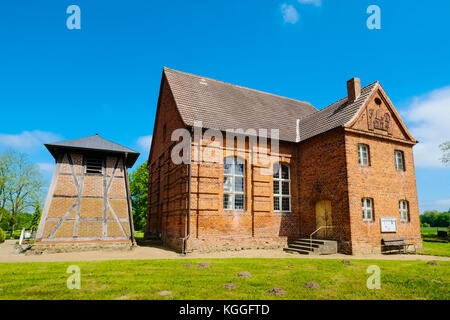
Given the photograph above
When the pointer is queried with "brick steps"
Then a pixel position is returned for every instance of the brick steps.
(316, 246)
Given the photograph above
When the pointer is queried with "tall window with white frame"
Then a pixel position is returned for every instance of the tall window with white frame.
(367, 209)
(281, 188)
(399, 160)
(403, 208)
(363, 155)
(233, 184)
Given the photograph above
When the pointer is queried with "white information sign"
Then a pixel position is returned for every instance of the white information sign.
(388, 224)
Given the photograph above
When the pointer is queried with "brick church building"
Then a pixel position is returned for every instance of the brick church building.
(343, 173)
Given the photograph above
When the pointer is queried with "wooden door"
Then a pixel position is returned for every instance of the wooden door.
(323, 219)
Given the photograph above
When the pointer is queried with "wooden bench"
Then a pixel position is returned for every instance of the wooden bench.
(399, 244)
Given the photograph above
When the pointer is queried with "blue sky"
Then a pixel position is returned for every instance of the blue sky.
(57, 83)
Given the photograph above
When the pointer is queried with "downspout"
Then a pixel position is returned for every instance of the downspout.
(188, 226)
(127, 187)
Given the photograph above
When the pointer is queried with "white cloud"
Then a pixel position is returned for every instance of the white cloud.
(46, 167)
(429, 118)
(290, 14)
(144, 144)
(317, 3)
(27, 140)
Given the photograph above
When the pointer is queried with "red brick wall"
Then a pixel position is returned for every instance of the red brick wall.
(167, 209)
(386, 186)
(323, 176)
(258, 225)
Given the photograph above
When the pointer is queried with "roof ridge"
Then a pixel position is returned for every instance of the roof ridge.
(337, 101)
(236, 85)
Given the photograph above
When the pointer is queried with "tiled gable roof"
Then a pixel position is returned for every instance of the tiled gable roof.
(335, 115)
(223, 106)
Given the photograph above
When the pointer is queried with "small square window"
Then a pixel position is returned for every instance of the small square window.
(285, 188)
(285, 204)
(276, 203)
(276, 187)
(226, 201)
(239, 184)
(239, 201)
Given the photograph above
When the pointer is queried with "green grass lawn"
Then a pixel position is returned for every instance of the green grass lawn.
(143, 279)
(436, 248)
(430, 233)
(432, 244)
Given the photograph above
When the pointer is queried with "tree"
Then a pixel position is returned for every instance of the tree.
(445, 147)
(139, 196)
(435, 219)
(34, 224)
(6, 174)
(21, 185)
(6, 218)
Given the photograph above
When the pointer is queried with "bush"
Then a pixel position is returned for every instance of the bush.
(425, 225)
(2, 235)
(16, 234)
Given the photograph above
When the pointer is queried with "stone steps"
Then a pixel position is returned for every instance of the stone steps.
(316, 246)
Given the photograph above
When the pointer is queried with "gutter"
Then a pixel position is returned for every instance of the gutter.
(188, 227)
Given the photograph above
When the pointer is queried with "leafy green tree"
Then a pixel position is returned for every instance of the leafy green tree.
(6, 175)
(22, 220)
(4, 222)
(435, 219)
(21, 186)
(34, 224)
(445, 147)
(139, 196)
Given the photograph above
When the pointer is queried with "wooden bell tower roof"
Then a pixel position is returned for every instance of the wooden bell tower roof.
(93, 144)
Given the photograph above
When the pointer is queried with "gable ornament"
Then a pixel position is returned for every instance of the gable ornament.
(377, 120)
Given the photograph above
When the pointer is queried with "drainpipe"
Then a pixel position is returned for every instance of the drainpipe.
(188, 227)
(127, 187)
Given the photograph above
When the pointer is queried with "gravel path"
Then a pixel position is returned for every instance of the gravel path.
(8, 254)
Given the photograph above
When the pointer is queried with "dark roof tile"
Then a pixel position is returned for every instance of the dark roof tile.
(93, 143)
(223, 106)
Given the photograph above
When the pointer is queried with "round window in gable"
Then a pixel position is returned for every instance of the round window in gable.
(378, 101)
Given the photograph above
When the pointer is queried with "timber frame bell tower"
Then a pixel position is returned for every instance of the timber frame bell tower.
(89, 196)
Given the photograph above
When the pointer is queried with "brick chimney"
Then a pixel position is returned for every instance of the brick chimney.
(353, 89)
